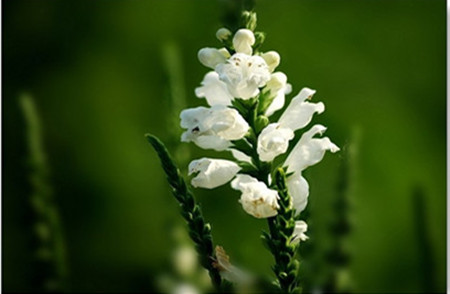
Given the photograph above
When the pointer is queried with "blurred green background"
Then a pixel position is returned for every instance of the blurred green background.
(99, 74)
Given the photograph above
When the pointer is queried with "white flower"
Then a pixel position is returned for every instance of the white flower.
(256, 199)
(211, 57)
(212, 128)
(244, 75)
(274, 139)
(214, 90)
(306, 153)
(223, 34)
(243, 41)
(299, 112)
(309, 150)
(212, 173)
(299, 232)
(299, 190)
(278, 87)
(272, 59)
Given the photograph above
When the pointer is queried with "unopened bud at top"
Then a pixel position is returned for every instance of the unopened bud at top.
(223, 34)
(211, 57)
(272, 59)
(243, 41)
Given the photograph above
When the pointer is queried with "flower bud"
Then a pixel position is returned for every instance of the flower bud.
(243, 41)
(223, 34)
(211, 57)
(272, 59)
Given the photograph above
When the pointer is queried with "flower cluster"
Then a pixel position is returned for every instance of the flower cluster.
(243, 90)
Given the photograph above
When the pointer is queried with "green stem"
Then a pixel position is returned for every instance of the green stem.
(282, 229)
(199, 230)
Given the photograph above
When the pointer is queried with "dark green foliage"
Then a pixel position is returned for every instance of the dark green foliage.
(199, 230)
(50, 270)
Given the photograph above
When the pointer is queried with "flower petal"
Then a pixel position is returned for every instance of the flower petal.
(214, 90)
(211, 57)
(243, 41)
(273, 141)
(212, 173)
(213, 128)
(272, 59)
(241, 156)
(212, 142)
(256, 199)
(309, 150)
(299, 113)
(278, 87)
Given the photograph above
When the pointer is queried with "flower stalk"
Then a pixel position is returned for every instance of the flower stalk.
(199, 230)
(279, 241)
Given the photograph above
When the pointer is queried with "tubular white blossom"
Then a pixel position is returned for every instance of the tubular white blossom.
(212, 173)
(211, 57)
(244, 75)
(272, 59)
(214, 90)
(256, 199)
(278, 87)
(273, 141)
(243, 41)
(299, 113)
(309, 150)
(299, 190)
(212, 128)
(299, 232)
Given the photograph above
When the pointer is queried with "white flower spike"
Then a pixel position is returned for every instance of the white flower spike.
(256, 199)
(212, 173)
(212, 128)
(243, 41)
